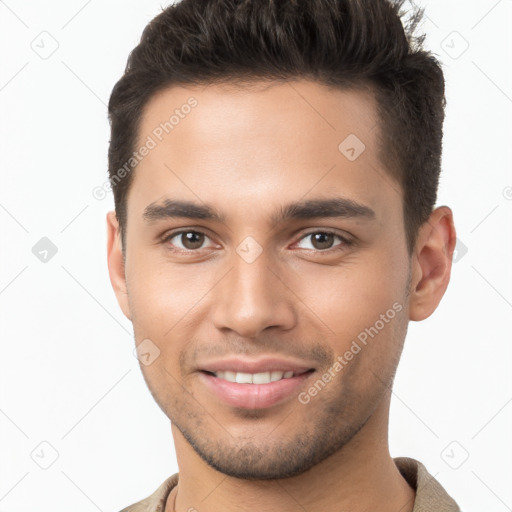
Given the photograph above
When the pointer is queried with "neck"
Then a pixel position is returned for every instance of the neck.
(359, 477)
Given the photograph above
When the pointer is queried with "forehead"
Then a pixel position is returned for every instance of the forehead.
(266, 142)
(263, 109)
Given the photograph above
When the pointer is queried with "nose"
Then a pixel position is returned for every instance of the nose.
(252, 297)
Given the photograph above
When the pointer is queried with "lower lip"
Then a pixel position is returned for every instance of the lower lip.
(254, 396)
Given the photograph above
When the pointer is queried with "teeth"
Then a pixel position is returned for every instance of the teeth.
(243, 378)
(231, 376)
(276, 376)
(253, 378)
(261, 378)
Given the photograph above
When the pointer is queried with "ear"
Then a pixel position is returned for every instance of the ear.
(431, 263)
(116, 268)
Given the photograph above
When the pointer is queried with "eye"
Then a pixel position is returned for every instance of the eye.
(324, 240)
(186, 240)
(320, 241)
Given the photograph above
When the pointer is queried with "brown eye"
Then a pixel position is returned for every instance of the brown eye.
(192, 240)
(187, 240)
(323, 241)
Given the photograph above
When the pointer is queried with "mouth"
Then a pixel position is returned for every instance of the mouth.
(257, 378)
(254, 389)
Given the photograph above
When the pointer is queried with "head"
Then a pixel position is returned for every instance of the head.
(275, 169)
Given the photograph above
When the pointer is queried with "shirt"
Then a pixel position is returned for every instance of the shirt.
(430, 495)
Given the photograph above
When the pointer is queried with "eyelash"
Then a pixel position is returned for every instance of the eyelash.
(346, 242)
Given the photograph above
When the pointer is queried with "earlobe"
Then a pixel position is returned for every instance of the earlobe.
(432, 263)
(116, 267)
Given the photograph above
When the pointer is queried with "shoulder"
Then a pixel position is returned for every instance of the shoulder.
(156, 501)
(430, 494)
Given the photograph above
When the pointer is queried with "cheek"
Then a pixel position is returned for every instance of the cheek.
(162, 294)
(352, 297)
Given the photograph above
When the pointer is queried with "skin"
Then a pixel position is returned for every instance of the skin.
(247, 153)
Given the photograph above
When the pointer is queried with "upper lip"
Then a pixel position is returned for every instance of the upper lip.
(267, 364)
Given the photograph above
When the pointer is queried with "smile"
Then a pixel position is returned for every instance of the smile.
(259, 390)
(254, 378)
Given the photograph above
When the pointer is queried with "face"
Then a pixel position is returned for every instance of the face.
(265, 245)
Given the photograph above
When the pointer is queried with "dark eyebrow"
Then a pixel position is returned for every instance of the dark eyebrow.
(169, 209)
(312, 208)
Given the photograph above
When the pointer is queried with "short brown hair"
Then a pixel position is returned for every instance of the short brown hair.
(340, 43)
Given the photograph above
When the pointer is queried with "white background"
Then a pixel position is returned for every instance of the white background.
(68, 374)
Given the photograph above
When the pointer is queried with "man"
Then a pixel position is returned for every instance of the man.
(275, 168)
